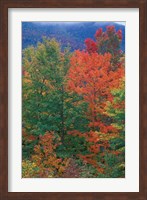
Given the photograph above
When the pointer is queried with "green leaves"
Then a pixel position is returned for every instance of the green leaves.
(47, 106)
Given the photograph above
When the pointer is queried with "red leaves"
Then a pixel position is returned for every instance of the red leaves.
(91, 46)
(110, 29)
(108, 41)
(119, 34)
(94, 148)
(99, 33)
(91, 76)
(90, 159)
(94, 76)
(88, 71)
(76, 133)
(28, 137)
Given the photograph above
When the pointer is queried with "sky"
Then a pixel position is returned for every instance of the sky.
(44, 23)
(122, 23)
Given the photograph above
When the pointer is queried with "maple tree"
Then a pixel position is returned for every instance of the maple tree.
(108, 41)
(90, 75)
(94, 76)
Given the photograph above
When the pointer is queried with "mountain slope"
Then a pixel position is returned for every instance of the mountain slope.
(72, 34)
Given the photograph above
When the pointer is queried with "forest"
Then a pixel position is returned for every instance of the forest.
(73, 108)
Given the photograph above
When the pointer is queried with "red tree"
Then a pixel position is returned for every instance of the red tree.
(91, 75)
(108, 41)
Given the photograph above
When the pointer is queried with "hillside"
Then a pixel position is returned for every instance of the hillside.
(67, 33)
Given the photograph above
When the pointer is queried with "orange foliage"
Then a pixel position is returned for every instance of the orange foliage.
(45, 156)
(93, 76)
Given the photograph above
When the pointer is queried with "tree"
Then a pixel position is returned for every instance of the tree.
(108, 41)
(47, 106)
(91, 75)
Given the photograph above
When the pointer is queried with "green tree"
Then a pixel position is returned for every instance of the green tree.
(47, 106)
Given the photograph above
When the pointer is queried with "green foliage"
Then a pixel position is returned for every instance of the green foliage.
(47, 106)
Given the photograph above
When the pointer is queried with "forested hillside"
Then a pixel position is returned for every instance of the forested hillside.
(65, 33)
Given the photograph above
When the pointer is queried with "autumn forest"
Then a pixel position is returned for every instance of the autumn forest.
(73, 113)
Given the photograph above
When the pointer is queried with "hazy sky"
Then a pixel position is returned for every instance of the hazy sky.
(44, 23)
(123, 23)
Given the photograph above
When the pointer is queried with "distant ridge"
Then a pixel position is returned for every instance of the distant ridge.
(67, 33)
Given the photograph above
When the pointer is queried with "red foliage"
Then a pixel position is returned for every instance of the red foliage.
(119, 34)
(99, 33)
(91, 76)
(108, 41)
(91, 46)
(110, 29)
(94, 76)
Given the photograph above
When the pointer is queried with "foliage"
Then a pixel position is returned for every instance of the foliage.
(47, 106)
(108, 41)
(44, 162)
(74, 108)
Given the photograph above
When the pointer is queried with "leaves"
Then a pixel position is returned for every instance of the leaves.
(74, 108)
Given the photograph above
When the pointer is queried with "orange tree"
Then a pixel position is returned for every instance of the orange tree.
(92, 76)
